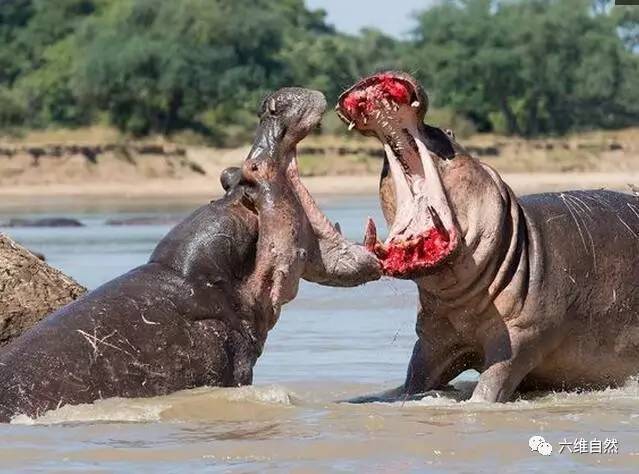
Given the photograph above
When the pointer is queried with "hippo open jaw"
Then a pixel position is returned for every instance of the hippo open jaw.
(423, 234)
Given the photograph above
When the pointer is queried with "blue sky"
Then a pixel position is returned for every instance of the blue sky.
(390, 16)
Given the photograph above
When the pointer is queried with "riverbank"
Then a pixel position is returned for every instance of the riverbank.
(207, 188)
(97, 163)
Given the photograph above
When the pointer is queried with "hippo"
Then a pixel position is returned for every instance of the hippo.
(43, 222)
(535, 293)
(198, 313)
(143, 220)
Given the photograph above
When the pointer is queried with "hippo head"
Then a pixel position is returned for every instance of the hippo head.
(296, 240)
(423, 229)
(286, 117)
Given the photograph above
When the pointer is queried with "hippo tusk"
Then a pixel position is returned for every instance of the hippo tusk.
(437, 222)
(370, 235)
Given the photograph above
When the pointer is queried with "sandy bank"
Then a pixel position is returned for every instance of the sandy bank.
(207, 187)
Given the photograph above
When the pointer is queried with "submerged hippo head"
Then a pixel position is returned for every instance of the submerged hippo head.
(424, 232)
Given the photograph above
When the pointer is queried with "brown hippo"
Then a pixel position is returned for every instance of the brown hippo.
(199, 311)
(540, 292)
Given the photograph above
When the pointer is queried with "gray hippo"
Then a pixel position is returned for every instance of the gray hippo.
(43, 222)
(198, 313)
(538, 292)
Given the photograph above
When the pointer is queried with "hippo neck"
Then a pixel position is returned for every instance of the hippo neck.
(498, 262)
(213, 251)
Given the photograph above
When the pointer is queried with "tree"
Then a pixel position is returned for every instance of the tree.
(152, 66)
(541, 66)
(158, 66)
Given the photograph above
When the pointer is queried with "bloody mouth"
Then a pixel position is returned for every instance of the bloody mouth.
(423, 234)
(365, 100)
(406, 258)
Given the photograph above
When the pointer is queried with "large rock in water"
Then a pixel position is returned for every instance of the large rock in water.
(29, 289)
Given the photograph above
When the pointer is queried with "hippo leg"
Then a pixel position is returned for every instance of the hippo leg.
(510, 354)
(439, 355)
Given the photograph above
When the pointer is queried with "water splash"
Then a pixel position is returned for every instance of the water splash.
(189, 405)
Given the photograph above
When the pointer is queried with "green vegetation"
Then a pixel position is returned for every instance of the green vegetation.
(533, 67)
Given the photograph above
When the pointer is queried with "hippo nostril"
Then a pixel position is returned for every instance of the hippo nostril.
(254, 167)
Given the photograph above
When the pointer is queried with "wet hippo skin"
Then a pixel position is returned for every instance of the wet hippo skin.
(198, 313)
(539, 292)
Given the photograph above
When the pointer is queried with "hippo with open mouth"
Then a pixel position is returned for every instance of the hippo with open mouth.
(540, 292)
(198, 313)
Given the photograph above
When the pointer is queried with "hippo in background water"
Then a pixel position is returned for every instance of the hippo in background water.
(535, 293)
(43, 222)
(198, 313)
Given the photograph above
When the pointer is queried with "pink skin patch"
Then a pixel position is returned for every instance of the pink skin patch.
(384, 86)
(402, 258)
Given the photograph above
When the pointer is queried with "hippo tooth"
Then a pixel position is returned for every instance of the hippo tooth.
(437, 222)
(415, 104)
(351, 126)
(370, 236)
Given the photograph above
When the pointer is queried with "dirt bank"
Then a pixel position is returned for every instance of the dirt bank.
(86, 164)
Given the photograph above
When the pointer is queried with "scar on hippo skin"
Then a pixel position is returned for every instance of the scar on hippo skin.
(538, 292)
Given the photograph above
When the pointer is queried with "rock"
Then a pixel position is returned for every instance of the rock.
(29, 289)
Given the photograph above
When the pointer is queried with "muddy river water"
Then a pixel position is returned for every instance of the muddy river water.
(329, 345)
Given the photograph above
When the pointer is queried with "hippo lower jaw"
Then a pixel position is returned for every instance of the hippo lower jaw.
(336, 261)
(423, 234)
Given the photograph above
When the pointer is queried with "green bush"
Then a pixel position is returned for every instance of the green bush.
(152, 66)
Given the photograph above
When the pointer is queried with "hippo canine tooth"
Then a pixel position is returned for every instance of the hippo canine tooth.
(437, 222)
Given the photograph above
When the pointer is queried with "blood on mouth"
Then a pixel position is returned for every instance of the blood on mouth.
(383, 86)
(404, 257)
(403, 254)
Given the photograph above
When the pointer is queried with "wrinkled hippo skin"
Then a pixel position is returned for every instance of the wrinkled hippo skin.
(535, 293)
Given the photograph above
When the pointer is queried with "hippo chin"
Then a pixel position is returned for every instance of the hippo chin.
(198, 313)
(534, 293)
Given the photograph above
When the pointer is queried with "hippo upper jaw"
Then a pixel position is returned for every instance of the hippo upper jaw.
(286, 117)
(423, 233)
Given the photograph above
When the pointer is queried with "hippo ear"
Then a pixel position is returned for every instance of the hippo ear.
(230, 178)
(439, 142)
